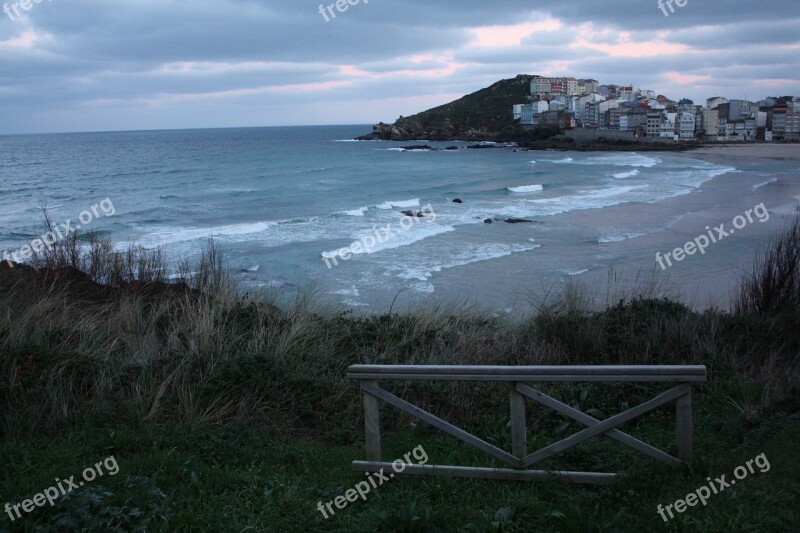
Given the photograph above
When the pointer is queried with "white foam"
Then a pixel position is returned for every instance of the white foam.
(353, 291)
(526, 188)
(620, 238)
(401, 237)
(402, 203)
(721, 171)
(624, 159)
(562, 204)
(688, 181)
(355, 212)
(167, 236)
(623, 175)
(519, 206)
(565, 160)
(423, 287)
(623, 236)
(425, 266)
(759, 185)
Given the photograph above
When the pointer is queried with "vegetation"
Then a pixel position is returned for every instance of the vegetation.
(483, 114)
(232, 412)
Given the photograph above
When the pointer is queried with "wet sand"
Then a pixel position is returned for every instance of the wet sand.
(787, 152)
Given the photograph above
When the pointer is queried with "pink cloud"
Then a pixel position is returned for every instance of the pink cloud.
(510, 35)
(684, 79)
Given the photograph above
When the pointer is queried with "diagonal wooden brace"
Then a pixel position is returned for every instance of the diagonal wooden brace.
(606, 425)
(590, 421)
(437, 422)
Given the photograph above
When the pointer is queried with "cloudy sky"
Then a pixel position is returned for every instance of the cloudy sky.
(97, 65)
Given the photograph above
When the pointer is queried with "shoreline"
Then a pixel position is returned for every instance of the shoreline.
(783, 152)
(763, 150)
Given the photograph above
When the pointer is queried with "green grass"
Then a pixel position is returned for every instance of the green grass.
(239, 478)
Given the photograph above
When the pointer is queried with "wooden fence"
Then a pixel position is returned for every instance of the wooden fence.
(518, 377)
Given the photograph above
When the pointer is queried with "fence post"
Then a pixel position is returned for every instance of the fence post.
(683, 411)
(372, 423)
(519, 430)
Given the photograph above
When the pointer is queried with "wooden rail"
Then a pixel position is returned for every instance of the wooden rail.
(517, 377)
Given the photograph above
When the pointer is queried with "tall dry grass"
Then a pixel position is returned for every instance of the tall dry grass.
(773, 286)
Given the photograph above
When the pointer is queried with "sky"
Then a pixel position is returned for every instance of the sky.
(107, 65)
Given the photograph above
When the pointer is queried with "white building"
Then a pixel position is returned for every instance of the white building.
(728, 131)
(686, 124)
(627, 94)
(525, 113)
(739, 109)
(540, 107)
(542, 87)
(761, 119)
(559, 103)
(572, 104)
(711, 123)
(711, 103)
(668, 129)
(654, 104)
(595, 113)
(580, 107)
(587, 86)
(792, 127)
(653, 126)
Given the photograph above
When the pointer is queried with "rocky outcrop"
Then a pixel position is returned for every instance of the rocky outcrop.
(409, 130)
(420, 147)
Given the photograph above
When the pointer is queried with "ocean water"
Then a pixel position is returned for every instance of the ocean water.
(282, 203)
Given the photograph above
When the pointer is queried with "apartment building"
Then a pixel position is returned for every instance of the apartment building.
(546, 88)
(653, 124)
(711, 123)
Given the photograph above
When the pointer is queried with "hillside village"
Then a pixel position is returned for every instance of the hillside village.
(571, 103)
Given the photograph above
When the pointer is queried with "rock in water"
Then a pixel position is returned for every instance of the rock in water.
(419, 147)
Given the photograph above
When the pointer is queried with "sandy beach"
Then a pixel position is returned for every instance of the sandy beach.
(789, 152)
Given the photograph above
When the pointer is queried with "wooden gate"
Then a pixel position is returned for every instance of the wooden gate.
(518, 378)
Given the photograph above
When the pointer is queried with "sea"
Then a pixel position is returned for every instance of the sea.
(309, 210)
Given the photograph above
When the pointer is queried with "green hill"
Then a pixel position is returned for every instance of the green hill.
(485, 114)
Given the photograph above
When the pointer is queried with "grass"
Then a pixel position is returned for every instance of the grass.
(232, 412)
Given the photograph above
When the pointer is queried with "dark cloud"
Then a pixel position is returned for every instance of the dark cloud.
(95, 65)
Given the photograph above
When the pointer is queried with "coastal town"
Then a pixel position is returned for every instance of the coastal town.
(625, 111)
